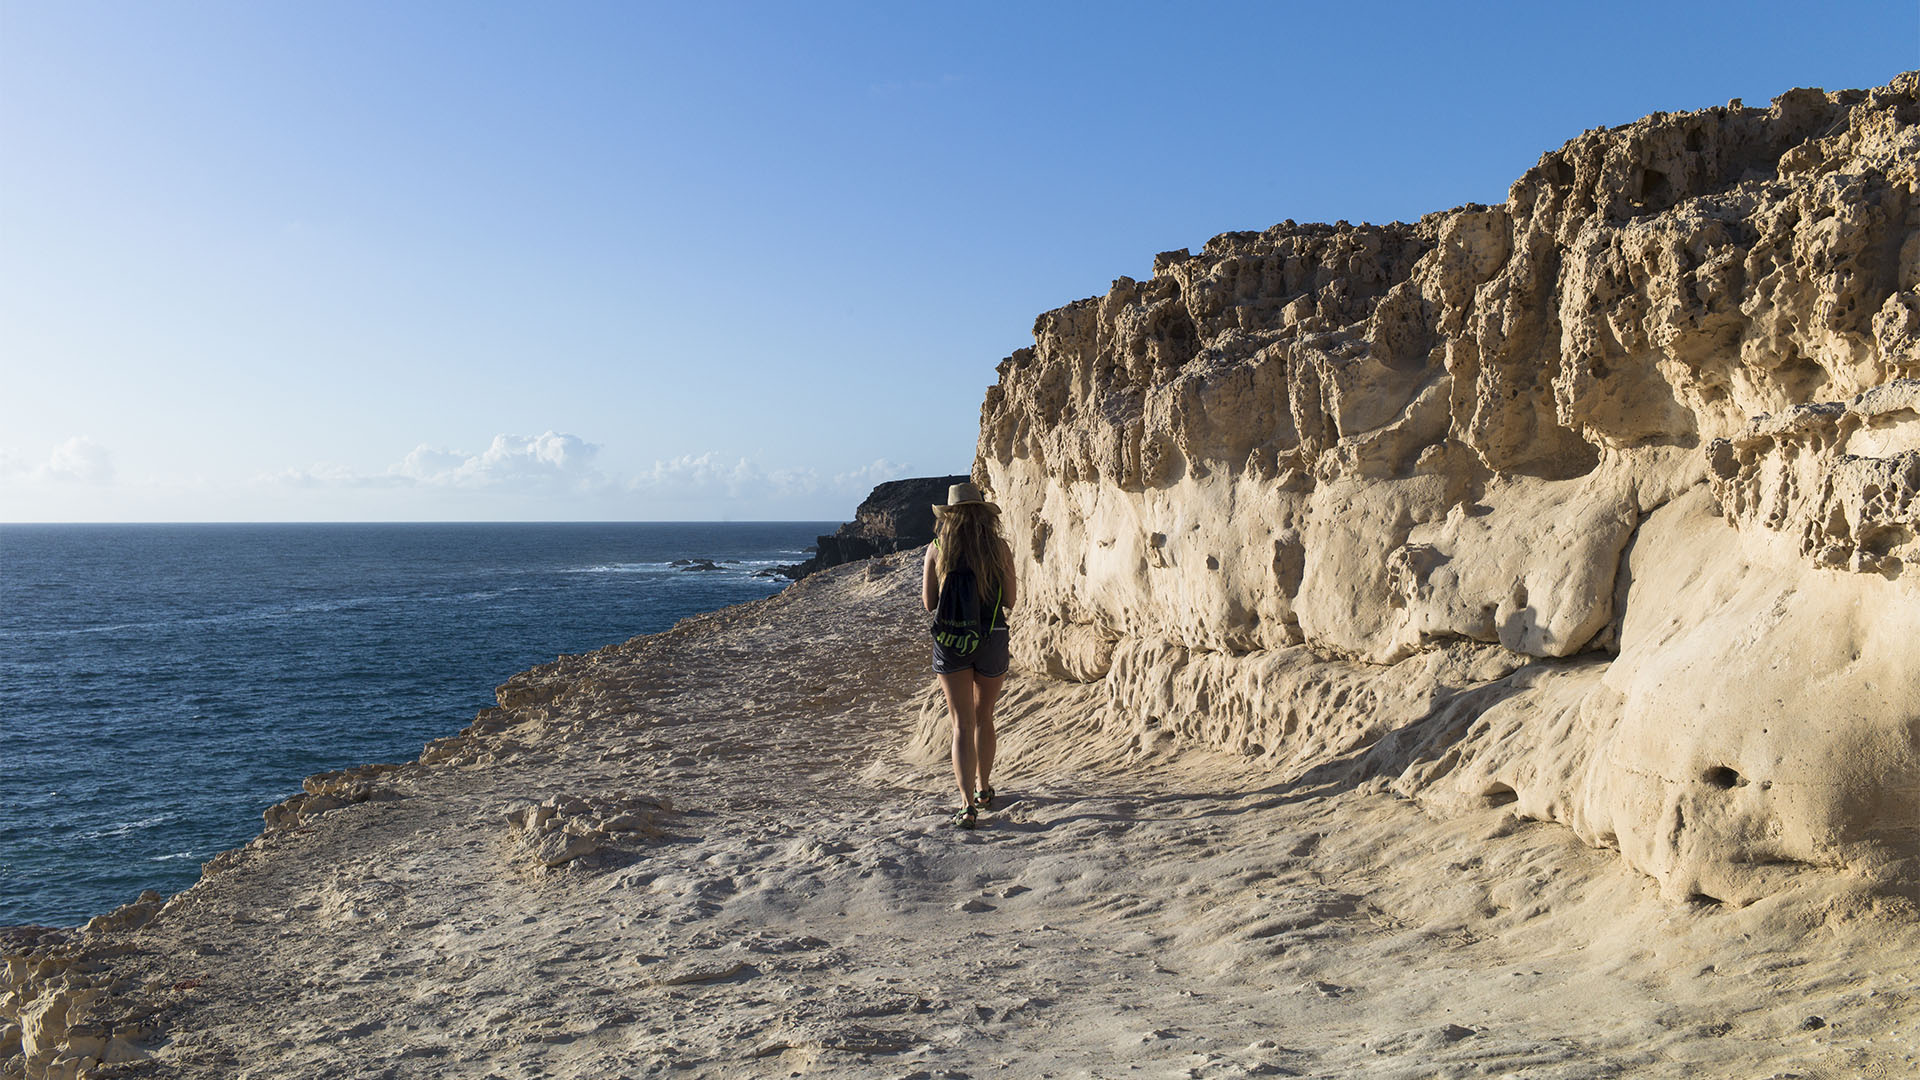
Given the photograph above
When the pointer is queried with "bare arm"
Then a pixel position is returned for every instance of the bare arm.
(930, 580)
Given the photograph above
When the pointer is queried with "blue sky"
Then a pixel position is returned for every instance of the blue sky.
(624, 261)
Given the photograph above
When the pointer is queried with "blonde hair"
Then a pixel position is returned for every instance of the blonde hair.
(970, 534)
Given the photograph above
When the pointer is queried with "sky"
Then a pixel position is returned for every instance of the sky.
(627, 261)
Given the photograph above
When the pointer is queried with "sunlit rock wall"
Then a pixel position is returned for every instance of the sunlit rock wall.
(1600, 502)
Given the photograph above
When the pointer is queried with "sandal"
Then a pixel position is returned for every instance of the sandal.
(984, 797)
(967, 817)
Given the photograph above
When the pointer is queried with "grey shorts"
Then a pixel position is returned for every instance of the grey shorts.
(989, 661)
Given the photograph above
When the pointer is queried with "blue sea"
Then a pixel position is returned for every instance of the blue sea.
(160, 685)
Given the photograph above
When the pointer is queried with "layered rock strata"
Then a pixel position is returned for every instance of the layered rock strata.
(1600, 502)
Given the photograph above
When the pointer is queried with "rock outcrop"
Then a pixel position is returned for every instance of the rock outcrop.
(63, 1012)
(1600, 502)
(896, 516)
(329, 791)
(563, 828)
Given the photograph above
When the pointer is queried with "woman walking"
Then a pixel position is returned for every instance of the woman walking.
(968, 582)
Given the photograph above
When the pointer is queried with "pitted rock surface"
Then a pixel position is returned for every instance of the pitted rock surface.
(1642, 436)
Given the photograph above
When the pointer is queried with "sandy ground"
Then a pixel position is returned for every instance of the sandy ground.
(805, 909)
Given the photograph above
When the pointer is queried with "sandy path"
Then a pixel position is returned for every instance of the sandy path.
(806, 910)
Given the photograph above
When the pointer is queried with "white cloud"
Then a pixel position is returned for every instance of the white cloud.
(426, 462)
(871, 475)
(552, 460)
(79, 460)
(709, 475)
(703, 475)
(326, 475)
(510, 460)
(561, 464)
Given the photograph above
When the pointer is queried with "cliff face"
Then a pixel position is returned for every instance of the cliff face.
(897, 515)
(1600, 502)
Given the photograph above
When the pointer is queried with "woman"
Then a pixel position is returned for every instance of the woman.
(967, 532)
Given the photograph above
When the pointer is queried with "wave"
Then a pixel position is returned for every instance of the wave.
(122, 828)
(730, 567)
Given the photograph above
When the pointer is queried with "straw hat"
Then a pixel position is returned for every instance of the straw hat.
(964, 495)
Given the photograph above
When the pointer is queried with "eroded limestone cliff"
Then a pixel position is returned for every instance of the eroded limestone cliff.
(1601, 502)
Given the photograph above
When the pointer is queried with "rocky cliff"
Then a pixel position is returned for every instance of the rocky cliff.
(1599, 502)
(897, 515)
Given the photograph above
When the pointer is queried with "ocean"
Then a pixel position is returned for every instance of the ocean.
(161, 685)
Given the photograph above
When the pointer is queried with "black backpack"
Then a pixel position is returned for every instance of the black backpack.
(959, 622)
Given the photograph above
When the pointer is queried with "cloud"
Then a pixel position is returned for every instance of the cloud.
(871, 475)
(559, 463)
(425, 462)
(335, 476)
(518, 461)
(709, 475)
(548, 461)
(79, 460)
(705, 474)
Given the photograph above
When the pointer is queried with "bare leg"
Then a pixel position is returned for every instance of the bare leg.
(959, 687)
(985, 693)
